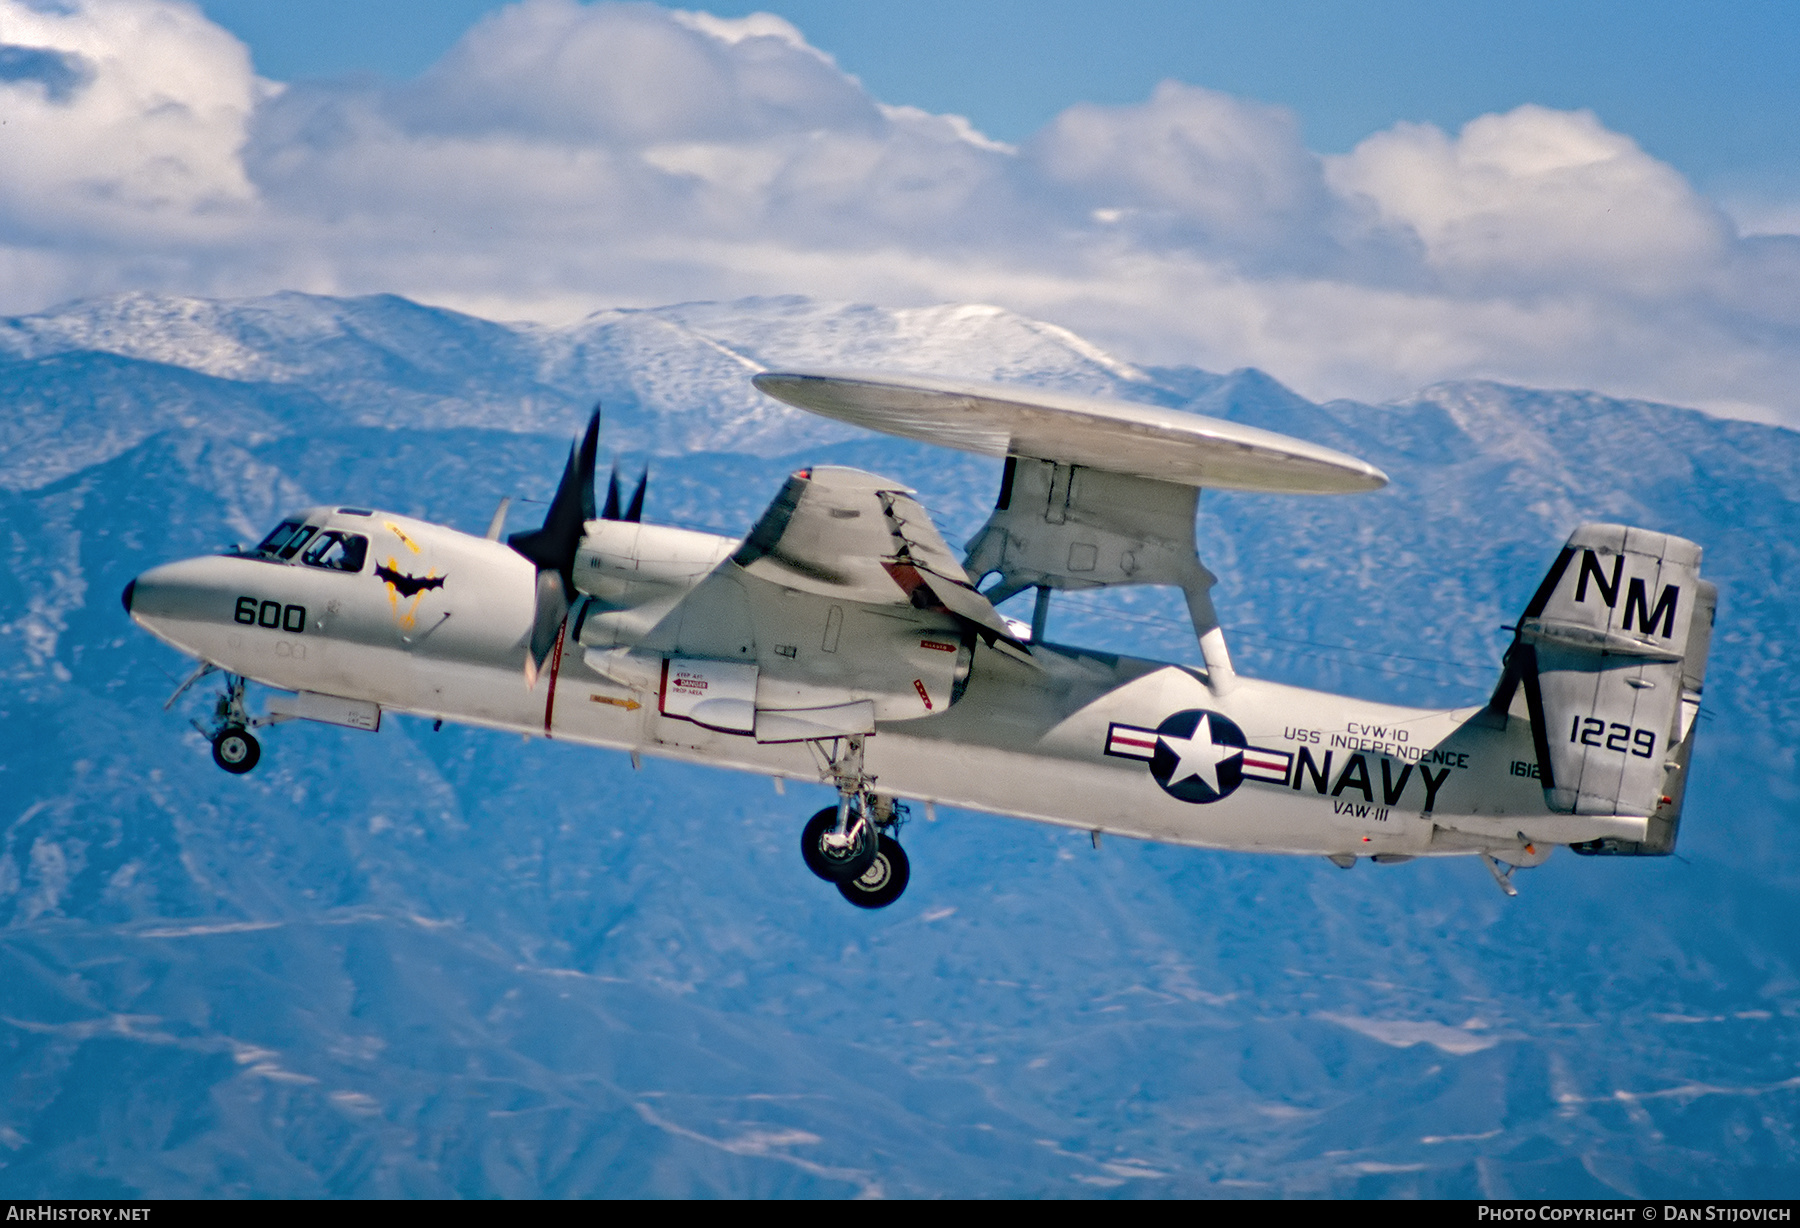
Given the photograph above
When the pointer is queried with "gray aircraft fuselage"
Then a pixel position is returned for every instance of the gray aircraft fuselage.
(433, 622)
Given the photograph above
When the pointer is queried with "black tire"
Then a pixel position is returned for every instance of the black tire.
(235, 750)
(835, 865)
(885, 879)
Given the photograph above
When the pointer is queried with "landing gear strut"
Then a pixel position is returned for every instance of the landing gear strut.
(852, 844)
(233, 746)
(836, 855)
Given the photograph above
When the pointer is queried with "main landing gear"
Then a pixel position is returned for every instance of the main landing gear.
(850, 844)
(868, 866)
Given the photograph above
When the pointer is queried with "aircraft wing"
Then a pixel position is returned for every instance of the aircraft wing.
(853, 536)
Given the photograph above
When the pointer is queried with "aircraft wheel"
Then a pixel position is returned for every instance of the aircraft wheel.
(235, 750)
(834, 865)
(885, 879)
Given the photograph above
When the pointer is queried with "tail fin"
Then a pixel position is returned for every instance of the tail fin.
(1611, 653)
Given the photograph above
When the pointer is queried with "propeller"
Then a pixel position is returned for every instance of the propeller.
(611, 510)
(552, 547)
(634, 512)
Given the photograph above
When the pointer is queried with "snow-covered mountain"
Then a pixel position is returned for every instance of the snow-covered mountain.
(675, 380)
(455, 963)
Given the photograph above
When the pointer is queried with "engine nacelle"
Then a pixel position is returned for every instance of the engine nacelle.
(636, 574)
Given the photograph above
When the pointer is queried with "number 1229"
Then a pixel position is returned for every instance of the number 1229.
(1592, 731)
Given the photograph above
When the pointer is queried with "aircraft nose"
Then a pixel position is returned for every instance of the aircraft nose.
(186, 591)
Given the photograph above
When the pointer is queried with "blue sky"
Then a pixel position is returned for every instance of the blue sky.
(1361, 199)
(1712, 89)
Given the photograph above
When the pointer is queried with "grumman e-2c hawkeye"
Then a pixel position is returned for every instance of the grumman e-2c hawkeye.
(841, 641)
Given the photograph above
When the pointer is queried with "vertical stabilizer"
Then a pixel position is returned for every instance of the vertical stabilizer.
(1611, 653)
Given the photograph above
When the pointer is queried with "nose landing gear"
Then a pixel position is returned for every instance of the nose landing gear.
(235, 750)
(233, 746)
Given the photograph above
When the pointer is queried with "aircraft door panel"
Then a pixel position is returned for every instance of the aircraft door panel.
(808, 724)
(712, 621)
(717, 694)
(818, 653)
(327, 709)
(905, 662)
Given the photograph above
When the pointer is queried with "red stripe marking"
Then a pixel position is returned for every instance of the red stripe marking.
(920, 684)
(555, 668)
(914, 586)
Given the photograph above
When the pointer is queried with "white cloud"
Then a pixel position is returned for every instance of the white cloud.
(756, 25)
(630, 74)
(1192, 165)
(132, 118)
(563, 157)
(1535, 199)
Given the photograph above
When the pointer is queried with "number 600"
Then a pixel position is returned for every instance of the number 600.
(271, 614)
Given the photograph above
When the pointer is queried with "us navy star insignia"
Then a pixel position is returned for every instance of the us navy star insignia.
(1198, 756)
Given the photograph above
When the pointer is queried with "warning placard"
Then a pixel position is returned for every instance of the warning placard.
(717, 694)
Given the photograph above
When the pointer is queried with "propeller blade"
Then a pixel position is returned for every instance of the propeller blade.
(552, 547)
(611, 510)
(635, 512)
(546, 623)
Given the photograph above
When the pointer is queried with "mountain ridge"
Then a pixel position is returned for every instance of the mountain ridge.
(453, 963)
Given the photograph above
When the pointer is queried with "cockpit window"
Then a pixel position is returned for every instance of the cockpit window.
(285, 541)
(297, 540)
(337, 551)
(272, 544)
